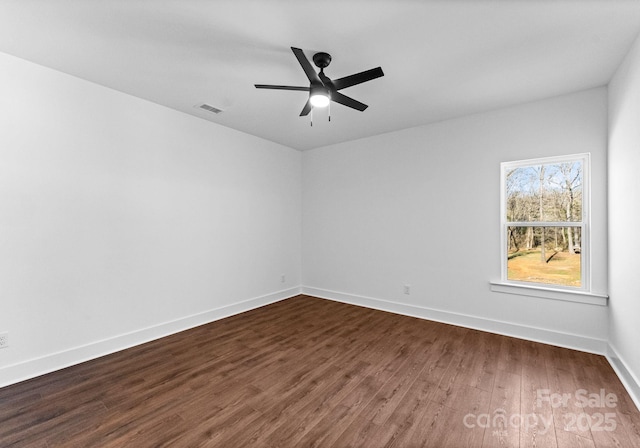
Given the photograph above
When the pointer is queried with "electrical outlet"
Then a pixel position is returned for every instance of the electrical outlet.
(407, 289)
(4, 340)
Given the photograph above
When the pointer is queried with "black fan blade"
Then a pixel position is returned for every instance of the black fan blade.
(346, 101)
(306, 109)
(267, 86)
(306, 66)
(358, 78)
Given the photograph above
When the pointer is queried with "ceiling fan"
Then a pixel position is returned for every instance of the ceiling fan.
(323, 90)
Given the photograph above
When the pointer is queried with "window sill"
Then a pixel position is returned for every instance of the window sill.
(550, 293)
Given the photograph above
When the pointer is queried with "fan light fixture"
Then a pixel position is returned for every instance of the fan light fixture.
(319, 97)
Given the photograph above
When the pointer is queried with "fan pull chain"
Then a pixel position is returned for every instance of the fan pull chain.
(311, 116)
(329, 110)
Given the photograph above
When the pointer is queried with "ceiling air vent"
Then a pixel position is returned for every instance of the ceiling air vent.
(208, 108)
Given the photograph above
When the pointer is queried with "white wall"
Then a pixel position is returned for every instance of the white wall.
(421, 207)
(121, 220)
(624, 212)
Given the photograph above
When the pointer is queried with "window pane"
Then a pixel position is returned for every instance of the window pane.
(549, 255)
(546, 192)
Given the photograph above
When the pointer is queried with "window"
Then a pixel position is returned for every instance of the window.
(544, 217)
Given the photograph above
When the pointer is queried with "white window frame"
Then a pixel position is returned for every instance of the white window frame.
(544, 290)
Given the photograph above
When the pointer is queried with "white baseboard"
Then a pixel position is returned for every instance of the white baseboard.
(39, 366)
(628, 379)
(572, 341)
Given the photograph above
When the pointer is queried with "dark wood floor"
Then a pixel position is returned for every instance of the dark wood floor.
(307, 372)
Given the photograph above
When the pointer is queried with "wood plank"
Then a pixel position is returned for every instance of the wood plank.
(562, 395)
(537, 429)
(441, 426)
(505, 426)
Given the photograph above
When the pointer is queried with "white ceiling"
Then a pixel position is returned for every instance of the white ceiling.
(441, 59)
